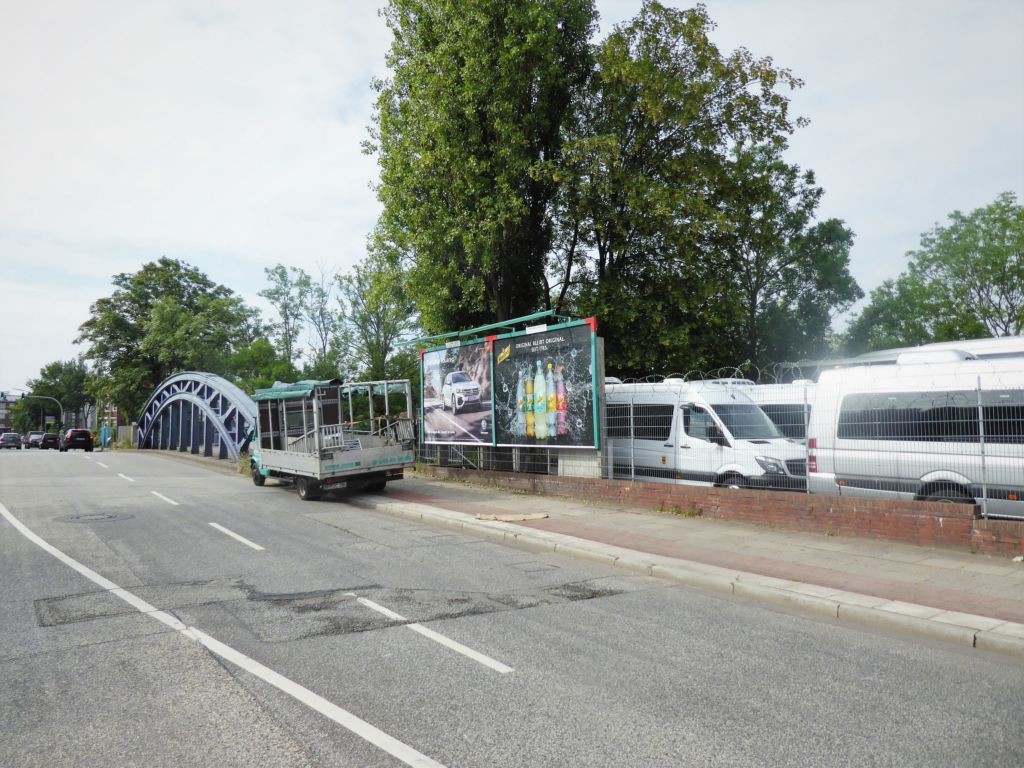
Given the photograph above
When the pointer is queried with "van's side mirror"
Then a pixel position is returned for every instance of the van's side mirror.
(715, 436)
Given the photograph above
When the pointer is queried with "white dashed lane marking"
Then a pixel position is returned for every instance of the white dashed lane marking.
(437, 637)
(234, 535)
(317, 703)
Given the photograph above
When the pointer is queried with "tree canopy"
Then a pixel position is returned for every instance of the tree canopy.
(165, 318)
(965, 281)
(679, 224)
(476, 102)
(638, 179)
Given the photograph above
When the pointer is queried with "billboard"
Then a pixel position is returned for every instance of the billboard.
(456, 394)
(544, 387)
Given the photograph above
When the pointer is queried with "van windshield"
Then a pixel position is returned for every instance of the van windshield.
(747, 422)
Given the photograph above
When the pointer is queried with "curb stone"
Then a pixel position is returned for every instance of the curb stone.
(750, 586)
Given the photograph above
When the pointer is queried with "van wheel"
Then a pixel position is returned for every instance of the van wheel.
(950, 494)
(376, 486)
(257, 478)
(733, 481)
(309, 490)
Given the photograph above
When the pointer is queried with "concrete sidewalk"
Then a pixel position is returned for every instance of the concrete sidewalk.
(968, 599)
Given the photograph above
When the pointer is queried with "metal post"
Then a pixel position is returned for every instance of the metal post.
(632, 442)
(369, 394)
(807, 451)
(981, 445)
(305, 426)
(318, 406)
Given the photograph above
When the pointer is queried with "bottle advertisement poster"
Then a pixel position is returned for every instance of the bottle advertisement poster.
(544, 387)
(456, 394)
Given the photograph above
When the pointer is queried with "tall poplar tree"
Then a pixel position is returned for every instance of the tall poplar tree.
(475, 104)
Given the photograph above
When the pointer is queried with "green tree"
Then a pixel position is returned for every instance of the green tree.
(648, 192)
(792, 276)
(378, 315)
(285, 294)
(474, 106)
(165, 318)
(322, 319)
(259, 365)
(25, 415)
(64, 381)
(965, 281)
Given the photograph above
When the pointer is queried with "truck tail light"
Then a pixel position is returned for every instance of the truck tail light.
(812, 460)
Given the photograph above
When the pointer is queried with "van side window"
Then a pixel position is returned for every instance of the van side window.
(653, 422)
(618, 421)
(790, 418)
(697, 423)
(950, 417)
(650, 422)
(1004, 415)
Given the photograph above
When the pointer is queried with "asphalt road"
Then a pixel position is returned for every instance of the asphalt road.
(328, 635)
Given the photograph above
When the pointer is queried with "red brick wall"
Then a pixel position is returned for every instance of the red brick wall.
(914, 522)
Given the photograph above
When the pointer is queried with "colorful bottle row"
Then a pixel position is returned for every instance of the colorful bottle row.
(542, 404)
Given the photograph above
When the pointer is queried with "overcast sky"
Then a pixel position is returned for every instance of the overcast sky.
(227, 134)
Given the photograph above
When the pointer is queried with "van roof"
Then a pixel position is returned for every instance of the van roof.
(678, 389)
(924, 370)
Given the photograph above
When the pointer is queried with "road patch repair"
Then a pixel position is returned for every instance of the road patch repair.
(328, 709)
(922, 591)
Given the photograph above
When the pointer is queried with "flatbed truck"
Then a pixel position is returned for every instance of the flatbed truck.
(328, 435)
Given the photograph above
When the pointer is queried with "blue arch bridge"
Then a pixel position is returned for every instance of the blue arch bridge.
(198, 413)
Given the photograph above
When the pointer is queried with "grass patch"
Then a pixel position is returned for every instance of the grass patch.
(682, 512)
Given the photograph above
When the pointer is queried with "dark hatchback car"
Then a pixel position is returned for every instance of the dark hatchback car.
(76, 438)
(10, 440)
(49, 440)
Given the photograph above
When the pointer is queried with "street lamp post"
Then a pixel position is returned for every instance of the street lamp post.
(47, 397)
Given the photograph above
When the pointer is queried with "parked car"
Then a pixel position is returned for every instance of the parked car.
(32, 439)
(49, 440)
(459, 391)
(77, 438)
(10, 440)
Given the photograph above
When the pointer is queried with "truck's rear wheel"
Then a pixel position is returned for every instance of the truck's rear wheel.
(309, 490)
(376, 486)
(257, 478)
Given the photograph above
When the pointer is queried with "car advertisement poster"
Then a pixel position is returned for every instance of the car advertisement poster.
(456, 394)
(544, 387)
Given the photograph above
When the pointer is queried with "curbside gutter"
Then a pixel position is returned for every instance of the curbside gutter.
(965, 630)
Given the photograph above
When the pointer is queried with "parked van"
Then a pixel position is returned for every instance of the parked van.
(697, 432)
(787, 405)
(939, 431)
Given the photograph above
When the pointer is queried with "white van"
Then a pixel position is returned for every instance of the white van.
(787, 405)
(939, 431)
(697, 432)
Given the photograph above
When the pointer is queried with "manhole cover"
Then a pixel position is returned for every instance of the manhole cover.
(93, 517)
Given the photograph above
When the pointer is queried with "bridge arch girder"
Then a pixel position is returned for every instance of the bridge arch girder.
(198, 412)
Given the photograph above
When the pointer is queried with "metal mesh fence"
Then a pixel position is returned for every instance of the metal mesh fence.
(950, 433)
